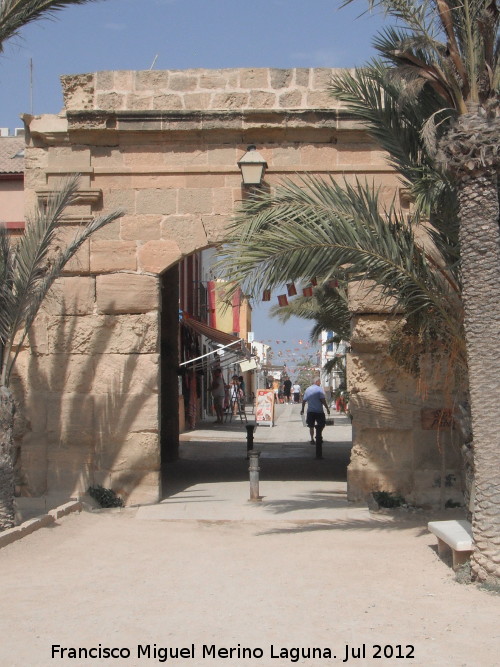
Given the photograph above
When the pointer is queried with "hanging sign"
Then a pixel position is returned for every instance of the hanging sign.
(264, 407)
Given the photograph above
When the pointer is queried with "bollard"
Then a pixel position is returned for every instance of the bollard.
(250, 427)
(253, 469)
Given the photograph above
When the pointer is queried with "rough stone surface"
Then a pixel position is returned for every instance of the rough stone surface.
(164, 146)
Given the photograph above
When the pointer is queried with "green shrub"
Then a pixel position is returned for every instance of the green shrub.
(388, 499)
(105, 497)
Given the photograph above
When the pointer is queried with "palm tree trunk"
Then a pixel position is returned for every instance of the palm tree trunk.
(7, 411)
(480, 262)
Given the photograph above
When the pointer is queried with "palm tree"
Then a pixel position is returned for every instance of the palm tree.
(15, 14)
(452, 50)
(28, 268)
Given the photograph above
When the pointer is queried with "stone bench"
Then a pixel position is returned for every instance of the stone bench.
(453, 535)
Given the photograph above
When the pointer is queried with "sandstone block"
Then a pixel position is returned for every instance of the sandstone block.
(156, 256)
(62, 372)
(123, 80)
(118, 416)
(167, 101)
(70, 416)
(197, 100)
(151, 79)
(151, 201)
(70, 468)
(110, 232)
(320, 100)
(280, 78)
(367, 297)
(34, 464)
(140, 227)
(78, 91)
(216, 227)
(123, 373)
(126, 293)
(104, 80)
(195, 200)
(138, 102)
(188, 231)
(110, 334)
(107, 256)
(254, 78)
(229, 100)
(261, 99)
(118, 199)
(71, 296)
(107, 157)
(223, 201)
(183, 82)
(303, 77)
(319, 156)
(111, 101)
(146, 155)
(291, 99)
(376, 411)
(372, 333)
(137, 451)
(223, 155)
(178, 155)
(67, 157)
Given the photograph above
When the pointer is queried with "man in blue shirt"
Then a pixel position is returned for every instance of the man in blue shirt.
(314, 396)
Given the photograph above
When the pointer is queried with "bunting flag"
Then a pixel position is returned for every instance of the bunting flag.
(333, 283)
(291, 289)
(282, 300)
(307, 291)
(314, 282)
(266, 295)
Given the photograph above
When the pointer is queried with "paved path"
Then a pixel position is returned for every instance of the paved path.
(211, 479)
(205, 573)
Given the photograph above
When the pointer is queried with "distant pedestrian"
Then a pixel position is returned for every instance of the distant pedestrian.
(296, 393)
(218, 389)
(287, 390)
(314, 396)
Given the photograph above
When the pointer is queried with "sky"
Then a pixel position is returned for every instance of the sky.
(182, 34)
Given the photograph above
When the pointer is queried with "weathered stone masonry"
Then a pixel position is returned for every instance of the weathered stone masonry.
(164, 145)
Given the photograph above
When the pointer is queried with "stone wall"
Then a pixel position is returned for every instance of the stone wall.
(164, 147)
(404, 435)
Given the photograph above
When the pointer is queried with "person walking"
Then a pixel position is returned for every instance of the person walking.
(287, 390)
(314, 396)
(296, 392)
(218, 389)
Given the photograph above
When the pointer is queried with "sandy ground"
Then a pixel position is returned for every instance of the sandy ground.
(344, 586)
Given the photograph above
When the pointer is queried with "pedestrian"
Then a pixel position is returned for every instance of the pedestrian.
(218, 393)
(296, 392)
(235, 394)
(314, 396)
(287, 390)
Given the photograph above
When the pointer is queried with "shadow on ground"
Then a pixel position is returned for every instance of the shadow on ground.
(278, 462)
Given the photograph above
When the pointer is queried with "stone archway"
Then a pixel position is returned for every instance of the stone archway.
(164, 146)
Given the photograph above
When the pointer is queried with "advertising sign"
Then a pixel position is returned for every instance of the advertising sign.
(264, 407)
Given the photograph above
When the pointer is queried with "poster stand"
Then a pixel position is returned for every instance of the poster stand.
(264, 407)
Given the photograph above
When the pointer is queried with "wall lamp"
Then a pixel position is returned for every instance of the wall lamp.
(252, 166)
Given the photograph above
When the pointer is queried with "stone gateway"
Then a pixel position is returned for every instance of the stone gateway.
(99, 379)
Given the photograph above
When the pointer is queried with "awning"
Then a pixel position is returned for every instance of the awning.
(216, 335)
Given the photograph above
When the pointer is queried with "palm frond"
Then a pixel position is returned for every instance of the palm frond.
(321, 228)
(32, 265)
